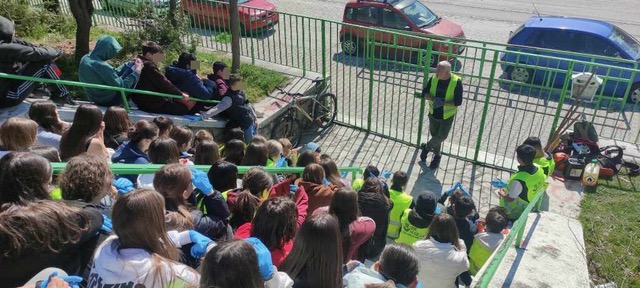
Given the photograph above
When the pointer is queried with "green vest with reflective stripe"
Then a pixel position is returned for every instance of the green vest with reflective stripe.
(533, 184)
(409, 234)
(401, 202)
(548, 165)
(478, 255)
(449, 110)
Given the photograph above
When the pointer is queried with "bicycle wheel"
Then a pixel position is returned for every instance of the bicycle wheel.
(325, 109)
(289, 128)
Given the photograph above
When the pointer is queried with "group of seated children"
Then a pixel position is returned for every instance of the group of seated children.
(183, 227)
(141, 73)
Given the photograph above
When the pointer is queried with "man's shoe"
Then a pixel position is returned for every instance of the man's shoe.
(435, 162)
(424, 152)
(63, 100)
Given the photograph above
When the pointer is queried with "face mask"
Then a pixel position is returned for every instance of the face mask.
(226, 73)
(195, 65)
(242, 85)
(158, 58)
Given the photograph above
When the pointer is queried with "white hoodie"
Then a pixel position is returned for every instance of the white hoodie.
(131, 266)
(440, 263)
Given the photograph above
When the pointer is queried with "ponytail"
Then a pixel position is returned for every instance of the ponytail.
(245, 208)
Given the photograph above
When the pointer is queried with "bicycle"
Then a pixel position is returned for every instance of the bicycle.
(323, 111)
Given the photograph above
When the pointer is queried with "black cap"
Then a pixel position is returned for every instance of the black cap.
(426, 204)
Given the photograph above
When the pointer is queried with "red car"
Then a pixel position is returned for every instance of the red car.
(254, 14)
(408, 16)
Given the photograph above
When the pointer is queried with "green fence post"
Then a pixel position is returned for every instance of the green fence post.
(425, 78)
(304, 58)
(124, 101)
(485, 108)
(372, 54)
(323, 49)
(556, 118)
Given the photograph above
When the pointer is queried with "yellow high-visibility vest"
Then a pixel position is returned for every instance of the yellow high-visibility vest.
(401, 201)
(449, 110)
(533, 182)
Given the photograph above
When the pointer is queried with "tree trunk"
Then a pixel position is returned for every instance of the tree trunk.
(235, 36)
(82, 11)
(173, 7)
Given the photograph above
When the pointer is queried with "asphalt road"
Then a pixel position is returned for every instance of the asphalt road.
(491, 20)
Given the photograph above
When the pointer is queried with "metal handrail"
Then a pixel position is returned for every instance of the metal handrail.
(485, 275)
(125, 169)
(122, 90)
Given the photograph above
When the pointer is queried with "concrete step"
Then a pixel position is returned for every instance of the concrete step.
(553, 255)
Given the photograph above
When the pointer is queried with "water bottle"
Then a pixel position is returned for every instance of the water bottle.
(591, 172)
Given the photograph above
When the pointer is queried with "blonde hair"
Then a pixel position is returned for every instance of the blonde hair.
(18, 134)
(274, 148)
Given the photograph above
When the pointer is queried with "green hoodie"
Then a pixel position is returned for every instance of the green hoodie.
(94, 69)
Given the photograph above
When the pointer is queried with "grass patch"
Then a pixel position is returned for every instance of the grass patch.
(223, 37)
(610, 218)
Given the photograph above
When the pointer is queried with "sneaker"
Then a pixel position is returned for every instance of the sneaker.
(435, 162)
(132, 105)
(424, 152)
(63, 100)
(206, 114)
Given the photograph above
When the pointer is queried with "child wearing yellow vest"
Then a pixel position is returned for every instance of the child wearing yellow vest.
(401, 201)
(543, 159)
(487, 242)
(415, 221)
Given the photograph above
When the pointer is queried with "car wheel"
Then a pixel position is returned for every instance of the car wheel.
(521, 74)
(634, 94)
(350, 45)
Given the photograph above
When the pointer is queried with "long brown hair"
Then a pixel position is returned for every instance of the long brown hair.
(39, 227)
(331, 172)
(316, 253)
(444, 230)
(399, 263)
(86, 178)
(234, 151)
(116, 121)
(18, 134)
(24, 177)
(344, 205)
(182, 135)
(255, 155)
(171, 181)
(45, 113)
(164, 151)
(207, 153)
(275, 222)
(313, 173)
(138, 221)
(86, 124)
(231, 264)
(257, 181)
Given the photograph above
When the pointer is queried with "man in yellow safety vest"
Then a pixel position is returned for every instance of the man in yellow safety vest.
(444, 93)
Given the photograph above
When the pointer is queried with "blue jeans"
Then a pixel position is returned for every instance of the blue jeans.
(249, 133)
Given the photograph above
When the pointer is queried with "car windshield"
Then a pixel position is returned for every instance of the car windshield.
(420, 14)
(626, 42)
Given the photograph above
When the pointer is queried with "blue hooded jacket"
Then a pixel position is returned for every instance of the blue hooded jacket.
(129, 153)
(94, 69)
(188, 82)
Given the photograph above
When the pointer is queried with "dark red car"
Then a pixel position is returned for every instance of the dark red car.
(254, 14)
(408, 16)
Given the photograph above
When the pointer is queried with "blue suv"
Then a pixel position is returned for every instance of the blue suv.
(591, 41)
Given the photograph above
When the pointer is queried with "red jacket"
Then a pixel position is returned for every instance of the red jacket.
(359, 231)
(301, 198)
(277, 255)
(319, 195)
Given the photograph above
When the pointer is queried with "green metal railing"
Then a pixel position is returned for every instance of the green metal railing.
(486, 273)
(123, 91)
(127, 169)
